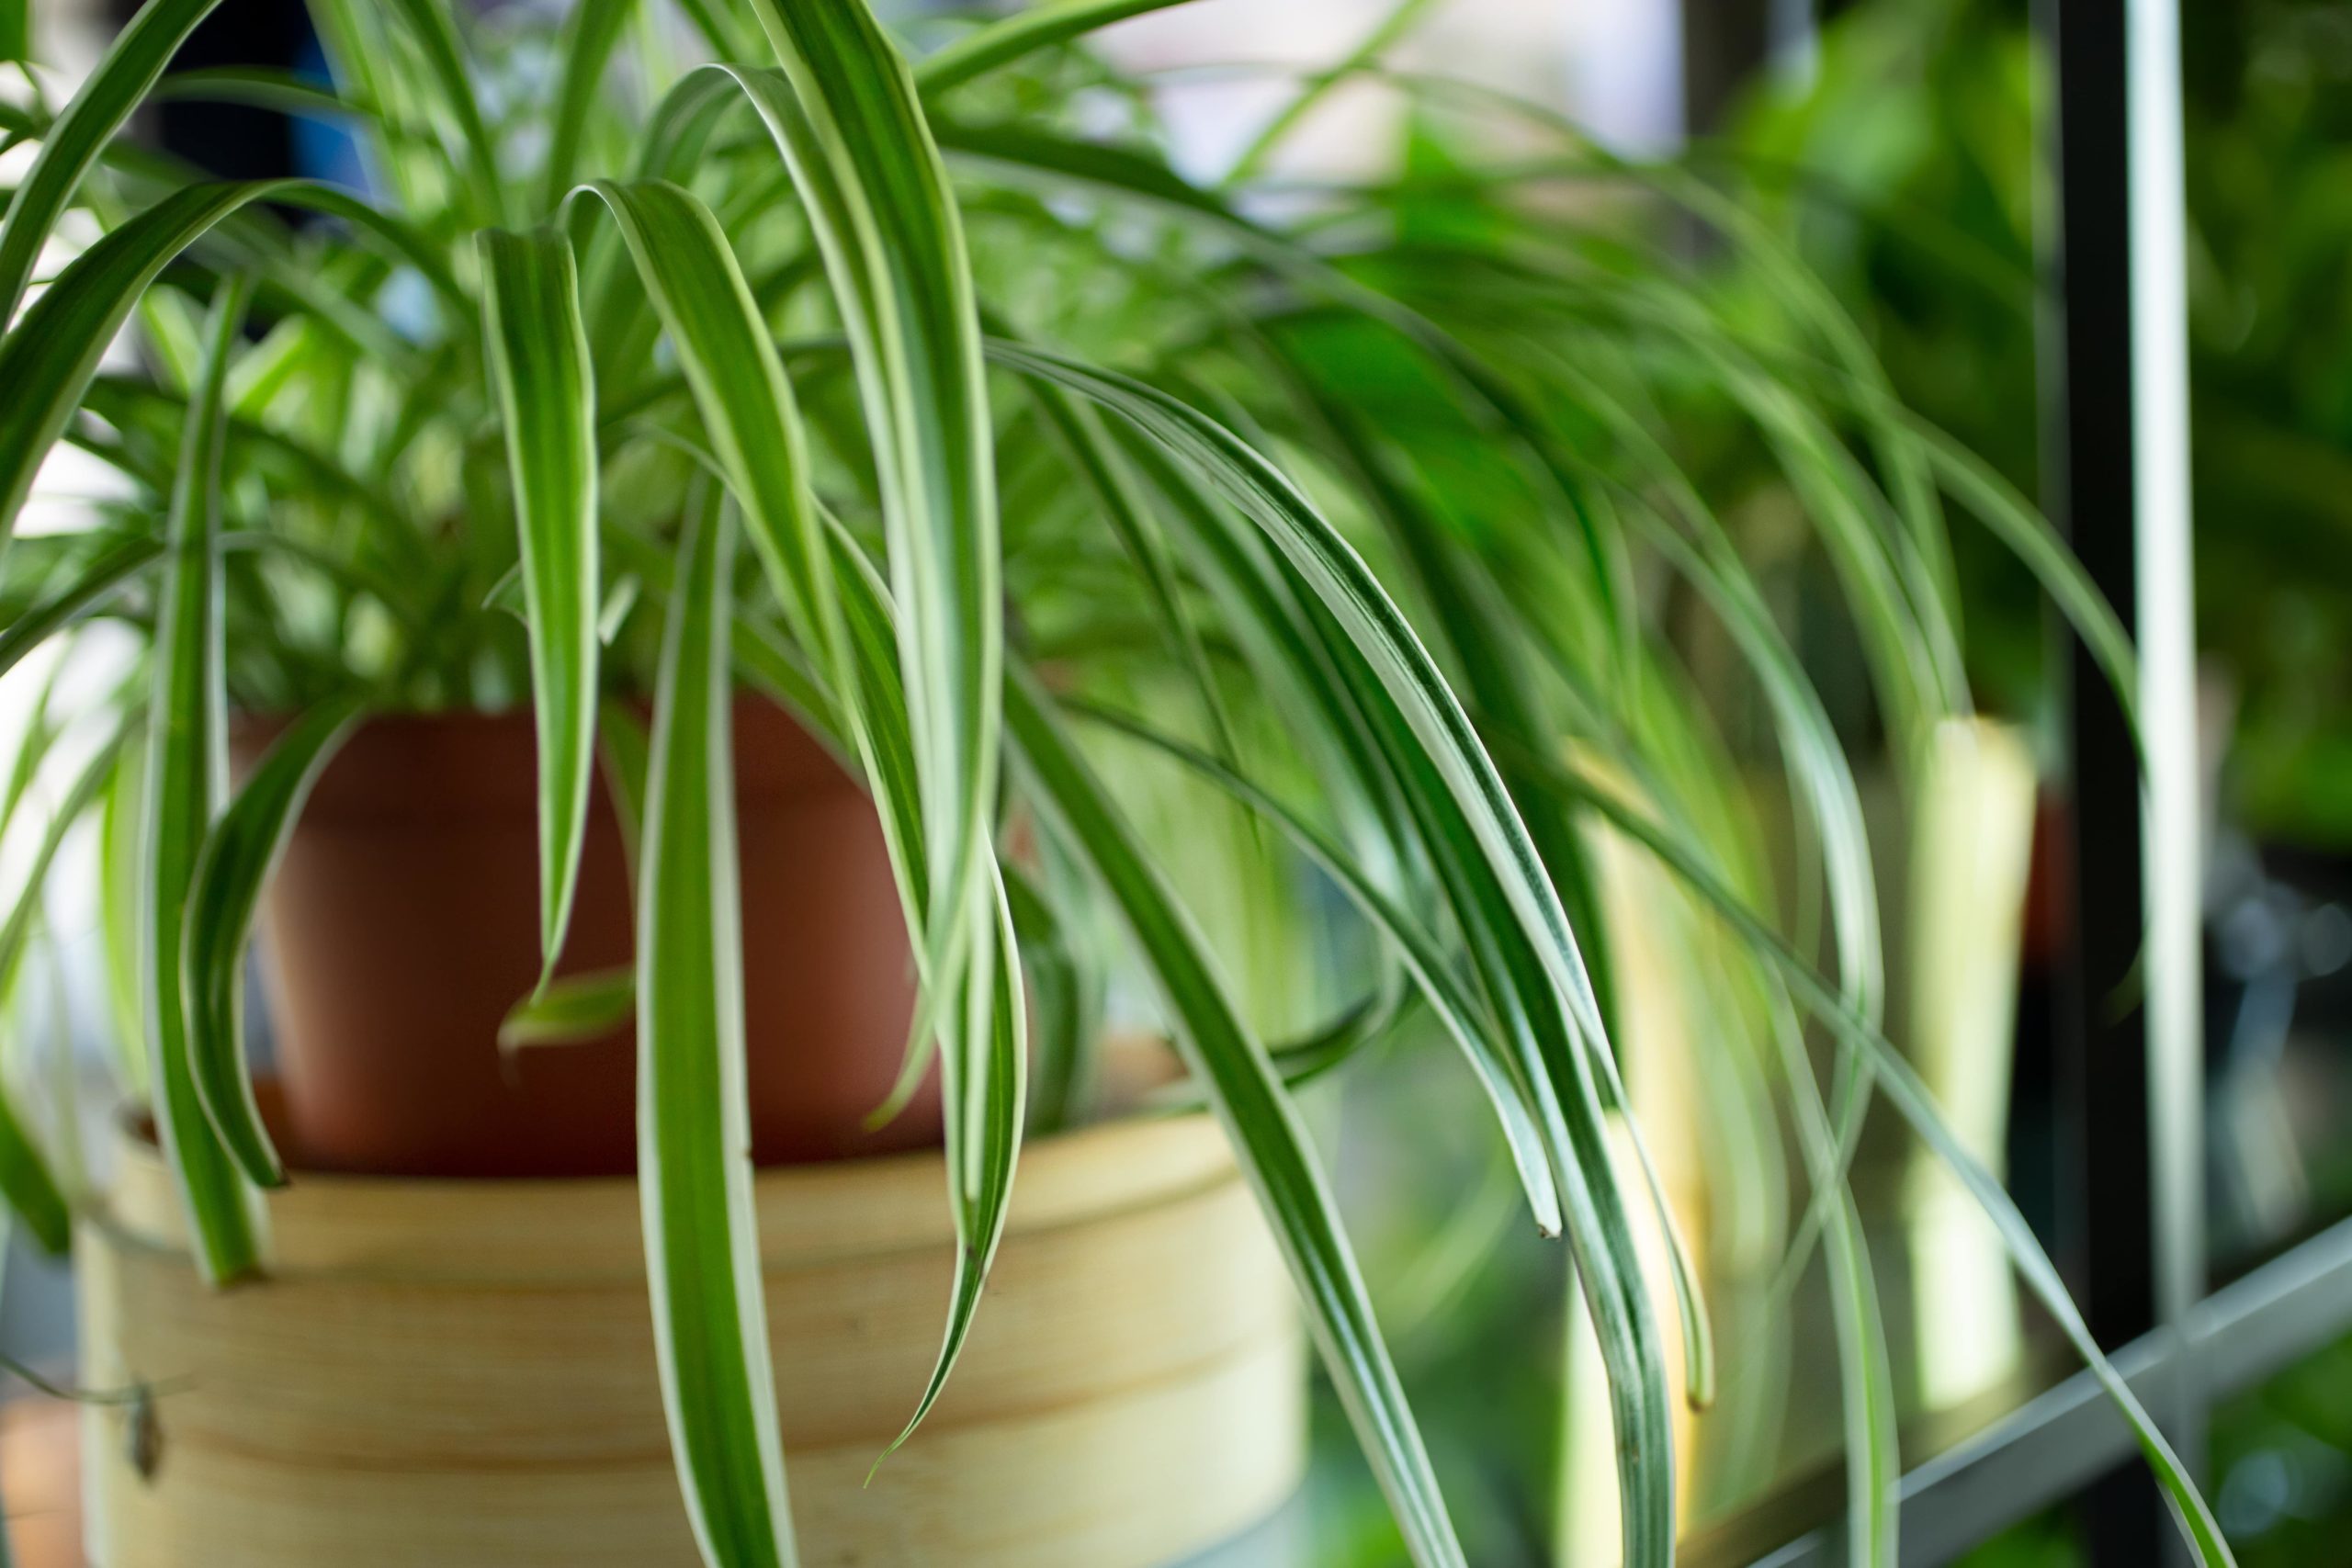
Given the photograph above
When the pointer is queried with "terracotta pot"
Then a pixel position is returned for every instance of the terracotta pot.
(403, 923)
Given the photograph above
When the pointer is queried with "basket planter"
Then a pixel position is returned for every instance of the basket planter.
(441, 1371)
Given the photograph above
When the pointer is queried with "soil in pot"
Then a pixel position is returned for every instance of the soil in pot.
(402, 925)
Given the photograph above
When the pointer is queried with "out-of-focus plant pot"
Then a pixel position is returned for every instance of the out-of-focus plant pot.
(1967, 922)
(445, 1372)
(403, 924)
(1951, 854)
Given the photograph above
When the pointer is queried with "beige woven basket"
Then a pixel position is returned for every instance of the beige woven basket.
(462, 1373)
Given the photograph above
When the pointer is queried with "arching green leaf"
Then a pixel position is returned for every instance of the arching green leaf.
(694, 1123)
(1258, 1118)
(845, 115)
(114, 90)
(96, 582)
(224, 894)
(547, 398)
(999, 43)
(1559, 1059)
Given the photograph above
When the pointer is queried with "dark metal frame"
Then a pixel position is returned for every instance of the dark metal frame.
(2107, 1227)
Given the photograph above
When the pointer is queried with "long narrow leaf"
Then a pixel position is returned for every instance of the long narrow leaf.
(121, 824)
(1095, 459)
(224, 894)
(1064, 975)
(1599, 1227)
(694, 1124)
(1462, 1015)
(985, 1088)
(1403, 16)
(186, 769)
(844, 115)
(624, 747)
(256, 86)
(1523, 1012)
(28, 1186)
(49, 358)
(1873, 1455)
(1294, 640)
(40, 733)
(847, 119)
(1467, 611)
(986, 1111)
(690, 272)
(1258, 1118)
(1066, 162)
(547, 398)
(758, 446)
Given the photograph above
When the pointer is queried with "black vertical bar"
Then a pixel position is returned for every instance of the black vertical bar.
(2089, 473)
(2106, 1191)
(1724, 44)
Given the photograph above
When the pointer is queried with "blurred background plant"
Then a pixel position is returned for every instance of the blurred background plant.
(1904, 163)
(1904, 160)
(1899, 146)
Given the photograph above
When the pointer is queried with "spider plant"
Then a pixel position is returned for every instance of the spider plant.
(732, 346)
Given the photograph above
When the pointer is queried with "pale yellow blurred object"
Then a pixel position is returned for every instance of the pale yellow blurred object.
(1972, 840)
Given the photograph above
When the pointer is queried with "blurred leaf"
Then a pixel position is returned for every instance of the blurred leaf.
(432, 28)
(187, 776)
(48, 360)
(105, 575)
(590, 33)
(1040, 26)
(626, 750)
(30, 1191)
(132, 62)
(1912, 1099)
(121, 824)
(225, 894)
(570, 1008)
(27, 1183)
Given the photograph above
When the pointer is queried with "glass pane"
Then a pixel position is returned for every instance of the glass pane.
(2269, 177)
(1897, 156)
(2282, 1464)
(2051, 1539)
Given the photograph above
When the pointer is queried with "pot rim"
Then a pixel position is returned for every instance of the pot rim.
(457, 764)
(538, 1228)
